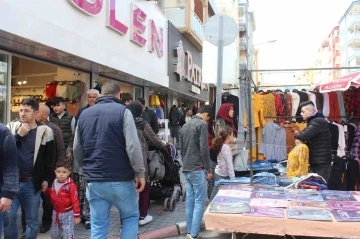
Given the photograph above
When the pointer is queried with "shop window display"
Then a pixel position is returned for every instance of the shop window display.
(44, 82)
(3, 86)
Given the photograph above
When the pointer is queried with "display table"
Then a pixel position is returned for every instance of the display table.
(237, 223)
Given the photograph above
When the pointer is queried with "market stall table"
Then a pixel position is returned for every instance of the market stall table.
(237, 223)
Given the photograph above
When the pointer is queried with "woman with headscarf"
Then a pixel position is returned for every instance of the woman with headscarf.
(146, 137)
(225, 117)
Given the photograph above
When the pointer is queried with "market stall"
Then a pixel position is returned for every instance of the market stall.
(318, 214)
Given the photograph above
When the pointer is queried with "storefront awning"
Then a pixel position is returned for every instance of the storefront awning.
(341, 84)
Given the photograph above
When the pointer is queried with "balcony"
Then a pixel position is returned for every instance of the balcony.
(354, 22)
(242, 43)
(185, 20)
(242, 24)
(197, 26)
(354, 52)
(242, 2)
(354, 40)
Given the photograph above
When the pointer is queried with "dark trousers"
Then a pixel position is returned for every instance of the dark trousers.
(47, 211)
(323, 170)
(144, 201)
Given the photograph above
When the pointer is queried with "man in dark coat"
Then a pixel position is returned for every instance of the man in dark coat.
(318, 138)
(149, 116)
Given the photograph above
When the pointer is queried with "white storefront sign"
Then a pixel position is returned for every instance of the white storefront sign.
(127, 35)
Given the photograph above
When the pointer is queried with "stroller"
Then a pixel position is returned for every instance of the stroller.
(165, 189)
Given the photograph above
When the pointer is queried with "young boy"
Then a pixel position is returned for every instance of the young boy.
(64, 197)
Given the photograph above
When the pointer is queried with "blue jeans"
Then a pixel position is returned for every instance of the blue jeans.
(31, 203)
(195, 183)
(122, 195)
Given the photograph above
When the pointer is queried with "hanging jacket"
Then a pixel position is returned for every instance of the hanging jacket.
(318, 138)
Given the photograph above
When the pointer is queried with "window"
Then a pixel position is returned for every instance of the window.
(4, 60)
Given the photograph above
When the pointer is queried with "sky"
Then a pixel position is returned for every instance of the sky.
(299, 26)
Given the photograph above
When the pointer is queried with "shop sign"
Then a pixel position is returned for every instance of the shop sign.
(192, 73)
(195, 89)
(137, 26)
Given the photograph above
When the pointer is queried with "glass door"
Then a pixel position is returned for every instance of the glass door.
(4, 84)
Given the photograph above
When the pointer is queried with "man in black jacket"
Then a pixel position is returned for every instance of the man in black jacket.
(318, 138)
(149, 116)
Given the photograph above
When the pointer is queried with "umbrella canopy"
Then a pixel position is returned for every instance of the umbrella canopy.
(341, 84)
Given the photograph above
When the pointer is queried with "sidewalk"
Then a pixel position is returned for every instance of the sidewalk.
(161, 219)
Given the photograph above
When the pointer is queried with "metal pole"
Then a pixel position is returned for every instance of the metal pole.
(219, 65)
(250, 127)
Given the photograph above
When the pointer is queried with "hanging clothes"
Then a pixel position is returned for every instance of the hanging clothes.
(334, 107)
(258, 110)
(303, 97)
(351, 128)
(290, 136)
(269, 107)
(279, 107)
(301, 126)
(319, 100)
(295, 101)
(341, 140)
(326, 108)
(341, 104)
(312, 97)
(288, 106)
(334, 133)
(348, 96)
(355, 150)
(273, 144)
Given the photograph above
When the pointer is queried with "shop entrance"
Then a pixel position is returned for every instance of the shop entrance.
(4, 72)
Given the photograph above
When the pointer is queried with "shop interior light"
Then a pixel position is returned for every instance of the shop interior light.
(24, 81)
(19, 83)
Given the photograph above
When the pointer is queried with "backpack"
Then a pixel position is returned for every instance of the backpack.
(156, 162)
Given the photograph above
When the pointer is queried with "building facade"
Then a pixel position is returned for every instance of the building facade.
(349, 31)
(44, 54)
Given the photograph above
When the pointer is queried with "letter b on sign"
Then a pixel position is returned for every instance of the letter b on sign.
(89, 7)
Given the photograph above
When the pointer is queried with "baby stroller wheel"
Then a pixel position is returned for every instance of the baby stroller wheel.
(172, 204)
(178, 193)
(166, 204)
(183, 196)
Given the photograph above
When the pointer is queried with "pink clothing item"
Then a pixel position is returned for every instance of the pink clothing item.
(225, 165)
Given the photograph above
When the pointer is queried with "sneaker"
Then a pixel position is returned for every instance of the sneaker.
(146, 220)
(188, 236)
(87, 225)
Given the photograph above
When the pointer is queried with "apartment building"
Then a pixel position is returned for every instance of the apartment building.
(349, 31)
(247, 27)
(328, 56)
(189, 17)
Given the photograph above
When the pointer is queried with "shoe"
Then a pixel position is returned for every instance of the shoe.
(87, 225)
(188, 236)
(146, 220)
(45, 228)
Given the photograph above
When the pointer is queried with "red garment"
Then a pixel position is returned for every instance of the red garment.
(334, 114)
(50, 91)
(223, 113)
(279, 107)
(356, 103)
(65, 200)
(288, 106)
(348, 97)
